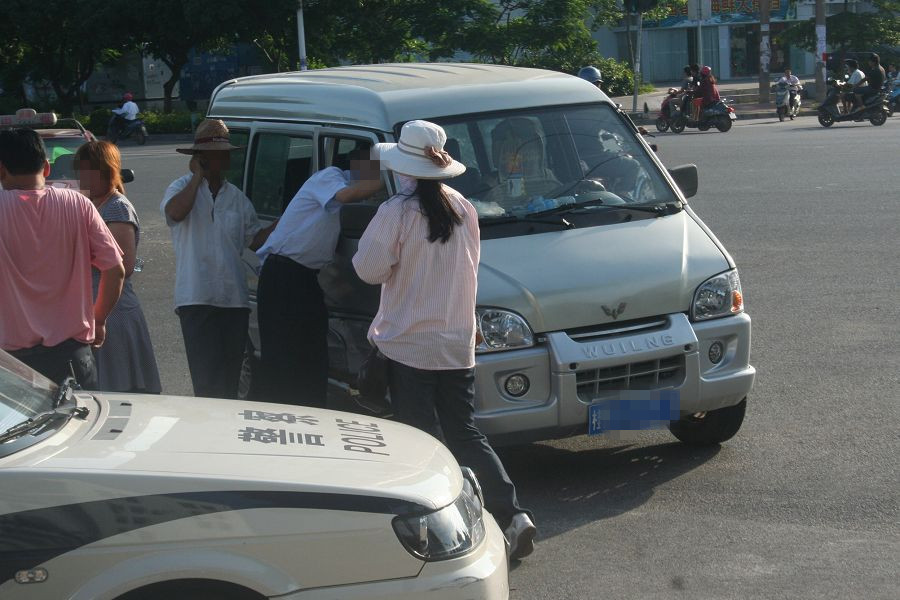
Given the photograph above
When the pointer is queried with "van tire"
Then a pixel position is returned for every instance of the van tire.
(713, 427)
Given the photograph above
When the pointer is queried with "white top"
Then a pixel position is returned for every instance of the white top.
(793, 80)
(208, 246)
(856, 77)
(129, 111)
(309, 228)
(426, 317)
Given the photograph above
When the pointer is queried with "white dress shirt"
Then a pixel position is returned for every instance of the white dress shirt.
(209, 243)
(426, 317)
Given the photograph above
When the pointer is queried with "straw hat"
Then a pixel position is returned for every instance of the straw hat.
(419, 153)
(211, 134)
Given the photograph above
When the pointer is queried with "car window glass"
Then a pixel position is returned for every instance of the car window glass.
(529, 161)
(60, 155)
(338, 152)
(235, 174)
(281, 164)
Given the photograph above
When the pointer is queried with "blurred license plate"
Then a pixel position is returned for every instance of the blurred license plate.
(732, 116)
(634, 410)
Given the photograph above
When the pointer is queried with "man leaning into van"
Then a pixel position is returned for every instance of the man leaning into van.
(293, 320)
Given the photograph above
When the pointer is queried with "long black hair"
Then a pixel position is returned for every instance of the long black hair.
(435, 203)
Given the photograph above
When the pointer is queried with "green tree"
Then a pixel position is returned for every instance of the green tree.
(62, 50)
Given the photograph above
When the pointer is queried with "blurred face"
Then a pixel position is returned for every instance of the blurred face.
(787, 72)
(215, 161)
(92, 182)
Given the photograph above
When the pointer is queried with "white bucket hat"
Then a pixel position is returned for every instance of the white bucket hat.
(419, 153)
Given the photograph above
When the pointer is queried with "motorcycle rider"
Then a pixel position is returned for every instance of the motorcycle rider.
(708, 92)
(874, 80)
(124, 116)
(592, 74)
(856, 80)
(794, 82)
(689, 85)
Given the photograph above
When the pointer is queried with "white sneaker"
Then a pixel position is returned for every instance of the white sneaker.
(520, 536)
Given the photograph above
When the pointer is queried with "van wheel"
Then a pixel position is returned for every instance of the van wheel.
(249, 367)
(710, 428)
(194, 589)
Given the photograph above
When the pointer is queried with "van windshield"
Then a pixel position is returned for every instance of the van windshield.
(539, 159)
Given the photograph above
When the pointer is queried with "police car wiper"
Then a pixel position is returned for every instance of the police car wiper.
(63, 395)
(528, 218)
(27, 425)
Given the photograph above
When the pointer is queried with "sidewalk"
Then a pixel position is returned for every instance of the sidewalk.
(729, 90)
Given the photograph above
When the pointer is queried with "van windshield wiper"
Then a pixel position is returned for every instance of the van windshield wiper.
(529, 218)
(659, 209)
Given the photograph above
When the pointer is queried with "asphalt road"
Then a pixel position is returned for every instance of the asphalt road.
(805, 501)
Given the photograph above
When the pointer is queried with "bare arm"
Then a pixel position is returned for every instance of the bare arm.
(359, 190)
(108, 293)
(125, 237)
(180, 205)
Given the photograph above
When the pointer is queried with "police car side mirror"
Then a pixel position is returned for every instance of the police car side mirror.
(687, 178)
(127, 175)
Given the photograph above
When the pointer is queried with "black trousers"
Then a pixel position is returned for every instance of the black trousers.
(58, 362)
(215, 339)
(293, 334)
(442, 403)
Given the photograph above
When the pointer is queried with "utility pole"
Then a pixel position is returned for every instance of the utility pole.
(301, 36)
(764, 51)
(820, 50)
(637, 62)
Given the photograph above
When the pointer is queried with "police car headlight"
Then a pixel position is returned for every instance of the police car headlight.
(447, 533)
(501, 330)
(718, 296)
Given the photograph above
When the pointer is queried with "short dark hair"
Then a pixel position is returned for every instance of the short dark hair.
(687, 69)
(875, 58)
(22, 151)
(695, 67)
(851, 63)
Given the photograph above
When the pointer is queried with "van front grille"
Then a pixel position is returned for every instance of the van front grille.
(659, 374)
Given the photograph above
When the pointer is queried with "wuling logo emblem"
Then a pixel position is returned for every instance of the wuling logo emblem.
(615, 312)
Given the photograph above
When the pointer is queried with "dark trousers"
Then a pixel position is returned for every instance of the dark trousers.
(444, 402)
(293, 333)
(58, 362)
(215, 339)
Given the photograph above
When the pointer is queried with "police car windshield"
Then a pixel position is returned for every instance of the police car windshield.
(535, 160)
(24, 393)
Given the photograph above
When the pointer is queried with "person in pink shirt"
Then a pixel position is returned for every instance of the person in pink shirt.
(49, 240)
(423, 247)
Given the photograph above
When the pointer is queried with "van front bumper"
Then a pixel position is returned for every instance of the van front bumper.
(567, 375)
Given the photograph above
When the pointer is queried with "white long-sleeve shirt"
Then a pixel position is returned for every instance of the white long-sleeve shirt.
(129, 111)
(426, 317)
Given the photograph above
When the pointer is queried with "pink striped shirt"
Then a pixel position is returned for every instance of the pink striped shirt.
(426, 318)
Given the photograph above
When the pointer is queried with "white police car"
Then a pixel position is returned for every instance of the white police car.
(126, 496)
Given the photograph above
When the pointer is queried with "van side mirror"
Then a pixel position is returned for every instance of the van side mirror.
(127, 175)
(687, 178)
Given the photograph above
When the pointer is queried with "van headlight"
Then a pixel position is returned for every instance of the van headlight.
(501, 330)
(718, 296)
(447, 533)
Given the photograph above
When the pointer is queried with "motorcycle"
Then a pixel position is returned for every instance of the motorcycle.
(892, 89)
(718, 115)
(117, 131)
(669, 109)
(787, 100)
(830, 111)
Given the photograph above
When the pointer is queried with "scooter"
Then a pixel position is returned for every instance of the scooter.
(116, 132)
(669, 109)
(718, 115)
(787, 100)
(875, 108)
(893, 95)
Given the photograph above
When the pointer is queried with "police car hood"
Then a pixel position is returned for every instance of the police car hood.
(228, 444)
(596, 275)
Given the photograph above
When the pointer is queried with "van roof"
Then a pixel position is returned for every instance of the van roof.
(380, 96)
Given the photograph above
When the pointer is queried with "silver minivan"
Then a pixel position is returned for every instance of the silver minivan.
(604, 302)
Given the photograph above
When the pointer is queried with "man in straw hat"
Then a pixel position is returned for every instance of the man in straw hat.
(423, 247)
(293, 319)
(211, 222)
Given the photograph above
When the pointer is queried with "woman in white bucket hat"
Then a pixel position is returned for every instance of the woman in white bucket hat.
(423, 248)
